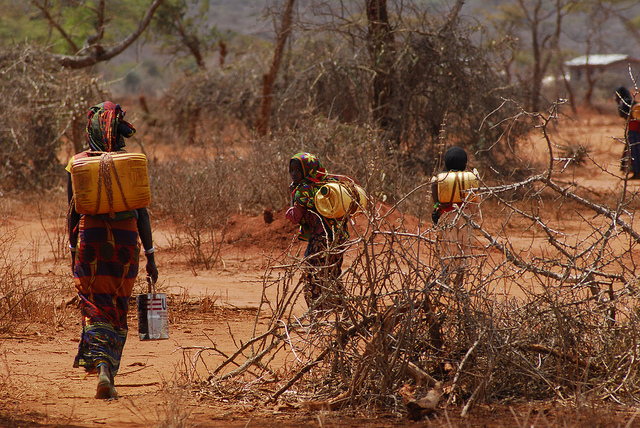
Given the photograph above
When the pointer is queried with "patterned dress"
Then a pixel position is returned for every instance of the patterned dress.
(107, 254)
(105, 271)
(323, 255)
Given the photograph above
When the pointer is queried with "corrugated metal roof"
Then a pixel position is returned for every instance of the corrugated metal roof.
(597, 59)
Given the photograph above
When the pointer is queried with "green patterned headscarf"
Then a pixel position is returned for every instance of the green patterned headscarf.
(312, 169)
(312, 172)
(106, 128)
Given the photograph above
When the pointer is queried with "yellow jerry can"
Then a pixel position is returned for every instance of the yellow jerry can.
(334, 199)
(111, 183)
(457, 186)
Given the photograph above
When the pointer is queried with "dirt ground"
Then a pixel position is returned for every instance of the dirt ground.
(39, 387)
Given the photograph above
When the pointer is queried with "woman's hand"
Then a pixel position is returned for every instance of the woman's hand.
(435, 216)
(152, 270)
(294, 214)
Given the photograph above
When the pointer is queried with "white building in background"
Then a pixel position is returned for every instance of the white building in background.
(614, 65)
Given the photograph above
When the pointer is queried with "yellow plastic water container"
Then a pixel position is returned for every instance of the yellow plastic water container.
(124, 176)
(334, 199)
(457, 186)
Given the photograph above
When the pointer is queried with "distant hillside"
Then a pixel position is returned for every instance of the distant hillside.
(614, 38)
(240, 16)
(247, 17)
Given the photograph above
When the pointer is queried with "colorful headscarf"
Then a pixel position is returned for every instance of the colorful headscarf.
(106, 127)
(312, 169)
(312, 172)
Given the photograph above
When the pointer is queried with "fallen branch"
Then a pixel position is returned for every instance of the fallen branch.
(419, 408)
(550, 351)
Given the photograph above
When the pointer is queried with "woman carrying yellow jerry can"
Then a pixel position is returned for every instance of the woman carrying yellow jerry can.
(322, 205)
(453, 193)
(108, 193)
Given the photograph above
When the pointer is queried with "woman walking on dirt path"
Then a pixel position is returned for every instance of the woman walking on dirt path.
(324, 254)
(454, 232)
(105, 256)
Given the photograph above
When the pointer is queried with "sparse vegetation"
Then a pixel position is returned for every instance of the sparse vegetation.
(547, 310)
(576, 153)
(23, 301)
(548, 319)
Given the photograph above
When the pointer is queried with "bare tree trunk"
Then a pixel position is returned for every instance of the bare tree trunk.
(568, 87)
(194, 119)
(542, 47)
(598, 20)
(381, 48)
(223, 52)
(76, 135)
(262, 127)
(591, 83)
(559, 55)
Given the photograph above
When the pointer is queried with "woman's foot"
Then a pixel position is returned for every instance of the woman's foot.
(105, 389)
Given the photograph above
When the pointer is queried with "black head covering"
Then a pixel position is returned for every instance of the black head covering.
(624, 99)
(455, 159)
(623, 94)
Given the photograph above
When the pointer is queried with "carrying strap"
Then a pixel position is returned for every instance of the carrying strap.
(104, 177)
(456, 184)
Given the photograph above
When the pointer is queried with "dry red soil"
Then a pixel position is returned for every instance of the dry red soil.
(39, 387)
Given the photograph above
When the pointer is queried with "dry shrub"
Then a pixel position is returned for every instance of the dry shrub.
(546, 316)
(208, 102)
(173, 412)
(52, 216)
(198, 196)
(260, 179)
(44, 106)
(25, 301)
(443, 91)
(575, 153)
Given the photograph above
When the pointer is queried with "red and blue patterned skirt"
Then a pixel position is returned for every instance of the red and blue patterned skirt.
(105, 271)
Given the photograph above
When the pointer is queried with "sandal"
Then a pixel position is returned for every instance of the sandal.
(105, 389)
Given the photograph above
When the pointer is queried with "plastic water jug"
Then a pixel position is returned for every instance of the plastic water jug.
(455, 186)
(334, 199)
(128, 181)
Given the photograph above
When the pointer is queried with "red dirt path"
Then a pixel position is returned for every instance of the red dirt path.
(38, 386)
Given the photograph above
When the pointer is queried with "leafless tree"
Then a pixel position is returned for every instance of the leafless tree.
(543, 44)
(94, 50)
(268, 79)
(382, 52)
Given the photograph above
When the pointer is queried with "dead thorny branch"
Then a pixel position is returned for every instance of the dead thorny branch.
(536, 308)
